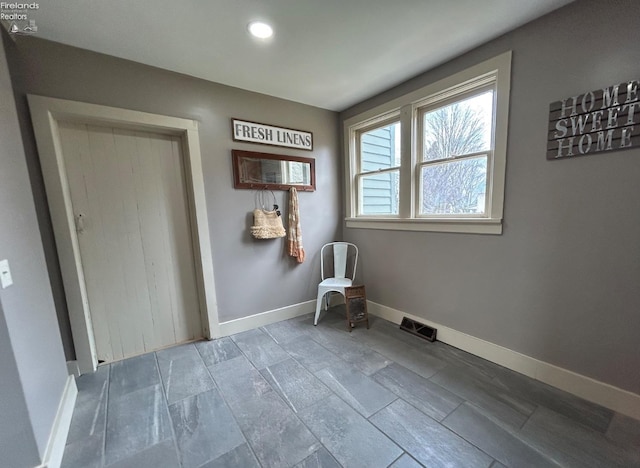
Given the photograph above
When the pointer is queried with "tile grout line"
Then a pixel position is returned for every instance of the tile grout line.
(501, 392)
(226, 403)
(313, 374)
(399, 457)
(469, 442)
(107, 404)
(385, 407)
(347, 403)
(301, 409)
(529, 417)
(344, 360)
(295, 414)
(452, 411)
(188, 396)
(166, 402)
(266, 330)
(484, 390)
(437, 422)
(322, 446)
(426, 415)
(512, 433)
(306, 369)
(519, 436)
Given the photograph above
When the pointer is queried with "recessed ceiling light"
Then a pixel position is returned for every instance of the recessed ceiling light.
(260, 30)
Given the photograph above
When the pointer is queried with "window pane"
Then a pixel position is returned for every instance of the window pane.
(379, 193)
(464, 127)
(380, 148)
(298, 173)
(454, 187)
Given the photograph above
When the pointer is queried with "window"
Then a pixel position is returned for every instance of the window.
(456, 149)
(433, 159)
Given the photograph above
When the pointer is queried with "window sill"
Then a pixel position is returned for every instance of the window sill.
(460, 225)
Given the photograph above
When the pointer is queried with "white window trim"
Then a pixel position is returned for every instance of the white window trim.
(406, 106)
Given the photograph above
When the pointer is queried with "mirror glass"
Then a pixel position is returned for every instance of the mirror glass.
(276, 172)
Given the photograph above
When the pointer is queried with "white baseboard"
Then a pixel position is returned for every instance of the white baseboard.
(73, 368)
(615, 398)
(265, 318)
(58, 437)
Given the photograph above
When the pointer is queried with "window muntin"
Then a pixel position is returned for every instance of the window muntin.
(456, 148)
(378, 179)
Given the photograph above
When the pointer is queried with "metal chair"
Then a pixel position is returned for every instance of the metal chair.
(345, 261)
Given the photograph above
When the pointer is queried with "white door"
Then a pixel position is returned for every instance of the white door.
(132, 218)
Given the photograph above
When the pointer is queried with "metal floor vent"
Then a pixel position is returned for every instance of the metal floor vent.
(418, 329)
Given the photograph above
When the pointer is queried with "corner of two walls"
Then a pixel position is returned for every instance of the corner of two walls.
(40, 198)
(251, 276)
(560, 285)
(37, 378)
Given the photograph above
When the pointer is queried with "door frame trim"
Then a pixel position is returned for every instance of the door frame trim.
(45, 114)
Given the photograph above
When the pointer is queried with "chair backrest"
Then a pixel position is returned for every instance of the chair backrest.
(341, 257)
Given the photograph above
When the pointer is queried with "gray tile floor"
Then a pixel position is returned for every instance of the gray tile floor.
(291, 394)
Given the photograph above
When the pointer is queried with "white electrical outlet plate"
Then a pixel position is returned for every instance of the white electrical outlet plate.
(5, 274)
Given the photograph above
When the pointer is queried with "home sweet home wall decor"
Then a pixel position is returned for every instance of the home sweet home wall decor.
(595, 122)
(253, 132)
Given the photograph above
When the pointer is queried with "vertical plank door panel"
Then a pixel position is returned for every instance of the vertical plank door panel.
(109, 206)
(152, 223)
(135, 275)
(136, 245)
(81, 180)
(182, 271)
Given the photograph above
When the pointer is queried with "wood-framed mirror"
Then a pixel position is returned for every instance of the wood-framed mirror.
(253, 170)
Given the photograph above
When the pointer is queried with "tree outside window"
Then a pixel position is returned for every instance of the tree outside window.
(456, 143)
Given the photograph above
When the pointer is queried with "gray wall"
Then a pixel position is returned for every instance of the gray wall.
(42, 211)
(562, 284)
(17, 443)
(28, 328)
(251, 276)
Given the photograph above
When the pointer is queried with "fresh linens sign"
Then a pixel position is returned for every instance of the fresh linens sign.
(253, 132)
(601, 120)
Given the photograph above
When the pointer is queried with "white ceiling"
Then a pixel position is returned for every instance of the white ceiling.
(326, 53)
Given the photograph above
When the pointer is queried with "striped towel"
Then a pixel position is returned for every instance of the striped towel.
(295, 232)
